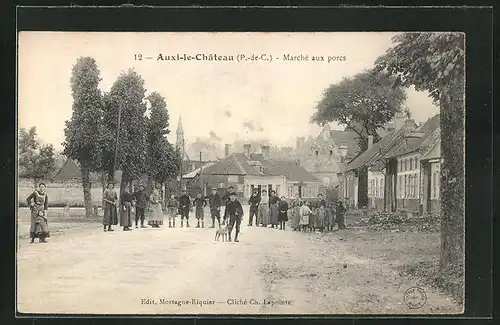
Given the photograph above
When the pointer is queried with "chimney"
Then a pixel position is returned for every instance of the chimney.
(300, 142)
(246, 149)
(398, 120)
(227, 151)
(410, 123)
(370, 141)
(265, 152)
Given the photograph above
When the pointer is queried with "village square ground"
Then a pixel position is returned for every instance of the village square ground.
(85, 270)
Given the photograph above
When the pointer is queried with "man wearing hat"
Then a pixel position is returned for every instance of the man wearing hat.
(140, 202)
(184, 207)
(215, 202)
(226, 200)
(235, 214)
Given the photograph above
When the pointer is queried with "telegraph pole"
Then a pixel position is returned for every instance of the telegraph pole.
(117, 138)
(201, 179)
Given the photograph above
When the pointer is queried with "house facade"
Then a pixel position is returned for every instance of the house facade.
(321, 156)
(249, 171)
(403, 171)
(405, 158)
(364, 172)
(430, 164)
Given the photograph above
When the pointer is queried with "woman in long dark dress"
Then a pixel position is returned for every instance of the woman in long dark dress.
(273, 209)
(282, 212)
(126, 210)
(110, 201)
(296, 204)
(38, 203)
(264, 209)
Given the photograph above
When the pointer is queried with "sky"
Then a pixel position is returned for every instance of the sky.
(269, 99)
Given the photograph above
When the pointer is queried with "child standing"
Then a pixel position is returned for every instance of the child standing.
(200, 204)
(172, 206)
(235, 214)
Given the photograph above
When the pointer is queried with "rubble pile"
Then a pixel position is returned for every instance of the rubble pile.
(400, 221)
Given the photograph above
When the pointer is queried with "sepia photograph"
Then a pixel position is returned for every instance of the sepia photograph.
(231, 173)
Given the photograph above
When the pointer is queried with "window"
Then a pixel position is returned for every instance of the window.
(412, 185)
(400, 181)
(278, 190)
(434, 180)
(382, 189)
(411, 163)
(406, 164)
(407, 186)
(400, 165)
(376, 188)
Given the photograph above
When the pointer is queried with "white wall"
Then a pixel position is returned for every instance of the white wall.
(278, 183)
(408, 176)
(376, 181)
(435, 178)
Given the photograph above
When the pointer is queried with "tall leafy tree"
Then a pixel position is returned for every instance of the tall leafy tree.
(127, 95)
(36, 162)
(83, 131)
(435, 62)
(162, 160)
(363, 103)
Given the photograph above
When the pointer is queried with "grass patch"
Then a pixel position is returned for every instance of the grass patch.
(449, 281)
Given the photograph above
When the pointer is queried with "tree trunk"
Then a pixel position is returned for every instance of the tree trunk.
(87, 194)
(104, 183)
(452, 178)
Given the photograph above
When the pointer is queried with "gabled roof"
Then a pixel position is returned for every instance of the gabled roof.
(239, 164)
(433, 151)
(409, 145)
(378, 150)
(292, 171)
(347, 137)
(69, 171)
(195, 172)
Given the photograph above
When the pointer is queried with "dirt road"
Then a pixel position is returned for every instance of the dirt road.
(184, 271)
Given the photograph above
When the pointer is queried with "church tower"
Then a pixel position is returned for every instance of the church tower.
(180, 143)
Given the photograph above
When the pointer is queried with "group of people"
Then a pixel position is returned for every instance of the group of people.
(266, 209)
(139, 201)
(322, 216)
(275, 211)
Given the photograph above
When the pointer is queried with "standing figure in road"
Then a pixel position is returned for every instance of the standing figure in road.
(215, 202)
(110, 203)
(330, 215)
(264, 209)
(235, 214)
(320, 220)
(305, 213)
(155, 208)
(38, 202)
(297, 203)
(200, 204)
(173, 208)
(273, 208)
(340, 215)
(254, 202)
(226, 198)
(184, 207)
(140, 203)
(126, 210)
(282, 212)
(321, 201)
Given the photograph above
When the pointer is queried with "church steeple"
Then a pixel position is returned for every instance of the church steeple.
(180, 129)
(180, 142)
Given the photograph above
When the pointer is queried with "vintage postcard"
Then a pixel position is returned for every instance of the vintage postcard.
(240, 173)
